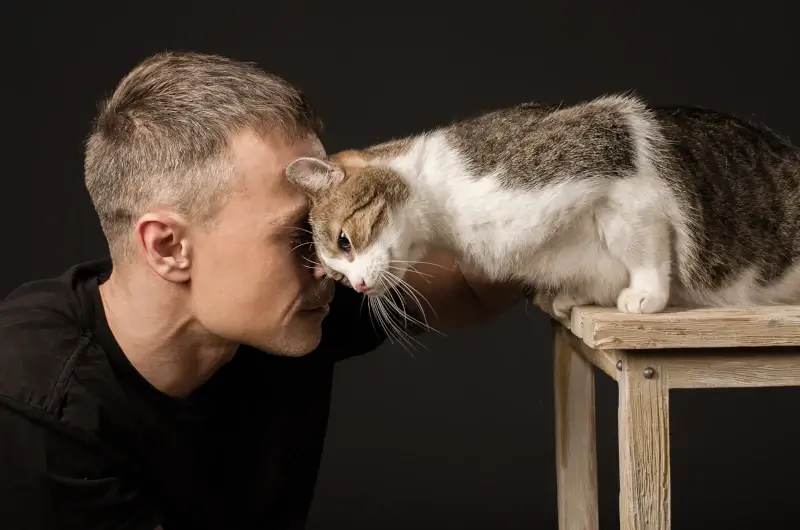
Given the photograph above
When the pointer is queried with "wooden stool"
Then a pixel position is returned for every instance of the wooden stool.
(648, 355)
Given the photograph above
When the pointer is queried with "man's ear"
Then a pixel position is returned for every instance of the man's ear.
(163, 240)
(313, 175)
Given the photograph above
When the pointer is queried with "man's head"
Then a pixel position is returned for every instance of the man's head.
(185, 167)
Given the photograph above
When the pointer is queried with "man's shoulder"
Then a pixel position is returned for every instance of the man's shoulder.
(43, 326)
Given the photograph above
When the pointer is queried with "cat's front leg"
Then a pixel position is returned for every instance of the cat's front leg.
(564, 302)
(646, 252)
(543, 299)
(559, 305)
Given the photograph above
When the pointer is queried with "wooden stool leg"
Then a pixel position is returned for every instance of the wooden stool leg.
(576, 452)
(643, 445)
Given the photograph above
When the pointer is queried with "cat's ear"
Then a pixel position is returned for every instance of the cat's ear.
(313, 175)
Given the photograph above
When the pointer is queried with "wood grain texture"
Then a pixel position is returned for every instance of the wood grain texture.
(702, 348)
(731, 367)
(644, 459)
(576, 449)
(607, 328)
(605, 360)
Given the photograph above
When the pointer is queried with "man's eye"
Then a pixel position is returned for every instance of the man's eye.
(302, 238)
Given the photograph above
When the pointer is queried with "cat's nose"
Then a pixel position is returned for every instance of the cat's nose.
(360, 286)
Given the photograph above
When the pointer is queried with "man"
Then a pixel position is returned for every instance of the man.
(185, 383)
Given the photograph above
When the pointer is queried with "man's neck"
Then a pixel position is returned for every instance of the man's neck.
(152, 322)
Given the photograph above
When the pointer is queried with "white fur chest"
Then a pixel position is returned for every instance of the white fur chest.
(550, 236)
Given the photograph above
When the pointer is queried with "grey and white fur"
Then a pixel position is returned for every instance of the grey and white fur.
(608, 202)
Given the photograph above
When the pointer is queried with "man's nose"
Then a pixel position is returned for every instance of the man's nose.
(319, 272)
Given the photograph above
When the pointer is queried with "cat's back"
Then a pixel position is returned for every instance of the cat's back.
(728, 161)
(709, 137)
(494, 139)
(533, 144)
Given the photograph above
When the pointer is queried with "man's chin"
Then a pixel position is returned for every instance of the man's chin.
(301, 335)
(305, 334)
(294, 346)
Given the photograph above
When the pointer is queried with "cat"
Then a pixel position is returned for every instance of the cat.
(607, 202)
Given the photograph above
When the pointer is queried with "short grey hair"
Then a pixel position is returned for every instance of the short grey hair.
(162, 138)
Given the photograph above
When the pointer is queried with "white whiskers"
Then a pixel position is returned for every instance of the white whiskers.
(393, 316)
(390, 311)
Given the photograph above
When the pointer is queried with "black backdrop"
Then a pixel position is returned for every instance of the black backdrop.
(459, 435)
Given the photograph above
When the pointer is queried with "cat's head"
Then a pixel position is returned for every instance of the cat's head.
(366, 230)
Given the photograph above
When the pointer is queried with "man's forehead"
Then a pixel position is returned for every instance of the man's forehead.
(262, 162)
(314, 147)
(295, 205)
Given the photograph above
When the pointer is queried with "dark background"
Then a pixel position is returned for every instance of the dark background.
(459, 435)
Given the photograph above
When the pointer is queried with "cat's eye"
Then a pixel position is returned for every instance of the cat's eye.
(344, 242)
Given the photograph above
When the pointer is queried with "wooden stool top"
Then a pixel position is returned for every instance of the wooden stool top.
(608, 329)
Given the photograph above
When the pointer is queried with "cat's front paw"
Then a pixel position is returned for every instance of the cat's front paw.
(633, 300)
(563, 304)
(558, 306)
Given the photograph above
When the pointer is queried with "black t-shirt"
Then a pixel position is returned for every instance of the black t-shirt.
(86, 443)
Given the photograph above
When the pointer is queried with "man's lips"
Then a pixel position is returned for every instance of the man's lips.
(321, 310)
(316, 306)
